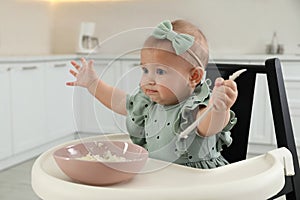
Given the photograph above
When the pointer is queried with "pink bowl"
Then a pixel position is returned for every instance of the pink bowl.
(103, 172)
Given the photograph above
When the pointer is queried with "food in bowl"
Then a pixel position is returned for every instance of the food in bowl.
(101, 162)
(107, 156)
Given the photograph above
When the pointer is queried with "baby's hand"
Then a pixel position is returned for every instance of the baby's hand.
(224, 94)
(85, 75)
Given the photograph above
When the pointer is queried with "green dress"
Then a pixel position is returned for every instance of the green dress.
(156, 127)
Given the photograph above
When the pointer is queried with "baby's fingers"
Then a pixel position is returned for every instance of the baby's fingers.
(73, 72)
(231, 84)
(91, 63)
(71, 83)
(74, 63)
(83, 61)
(231, 88)
(220, 104)
(219, 81)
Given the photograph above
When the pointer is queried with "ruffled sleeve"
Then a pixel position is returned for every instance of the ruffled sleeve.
(190, 109)
(224, 137)
(200, 97)
(137, 110)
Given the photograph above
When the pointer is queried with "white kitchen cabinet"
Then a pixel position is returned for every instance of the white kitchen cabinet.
(36, 108)
(291, 71)
(261, 126)
(58, 100)
(294, 105)
(28, 107)
(5, 116)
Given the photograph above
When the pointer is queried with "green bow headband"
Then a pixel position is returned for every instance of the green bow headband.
(181, 42)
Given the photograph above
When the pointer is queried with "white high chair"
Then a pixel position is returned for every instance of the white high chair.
(267, 176)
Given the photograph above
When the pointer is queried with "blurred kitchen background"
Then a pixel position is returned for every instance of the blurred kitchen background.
(232, 27)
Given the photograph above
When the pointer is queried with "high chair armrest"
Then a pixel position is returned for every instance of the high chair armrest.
(286, 158)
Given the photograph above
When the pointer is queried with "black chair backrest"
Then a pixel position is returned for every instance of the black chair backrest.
(242, 106)
(243, 109)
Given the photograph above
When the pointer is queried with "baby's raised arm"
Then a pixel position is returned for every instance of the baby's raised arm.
(86, 76)
(223, 96)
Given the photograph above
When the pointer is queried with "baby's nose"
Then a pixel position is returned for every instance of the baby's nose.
(151, 82)
(151, 79)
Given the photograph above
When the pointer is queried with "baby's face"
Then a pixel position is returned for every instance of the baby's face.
(166, 77)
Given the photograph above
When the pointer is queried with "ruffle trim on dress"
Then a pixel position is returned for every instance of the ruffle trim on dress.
(208, 164)
(135, 119)
(224, 137)
(190, 108)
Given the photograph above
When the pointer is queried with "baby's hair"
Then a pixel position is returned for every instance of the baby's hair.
(199, 48)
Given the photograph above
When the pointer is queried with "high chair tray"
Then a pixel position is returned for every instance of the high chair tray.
(257, 178)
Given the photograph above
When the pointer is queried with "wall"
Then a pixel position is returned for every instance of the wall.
(25, 28)
(232, 26)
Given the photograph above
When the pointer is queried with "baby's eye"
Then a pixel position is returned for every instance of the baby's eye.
(145, 70)
(160, 71)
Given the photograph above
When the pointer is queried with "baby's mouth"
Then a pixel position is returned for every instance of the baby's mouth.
(149, 91)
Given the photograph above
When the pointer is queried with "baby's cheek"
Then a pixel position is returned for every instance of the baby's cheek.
(143, 82)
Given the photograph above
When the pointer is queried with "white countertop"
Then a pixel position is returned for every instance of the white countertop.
(216, 57)
(56, 57)
(256, 57)
(37, 58)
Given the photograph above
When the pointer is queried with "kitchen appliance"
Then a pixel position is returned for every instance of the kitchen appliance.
(87, 42)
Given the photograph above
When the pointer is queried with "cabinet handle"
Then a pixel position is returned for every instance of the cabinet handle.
(60, 65)
(29, 68)
(136, 64)
(101, 65)
(4, 70)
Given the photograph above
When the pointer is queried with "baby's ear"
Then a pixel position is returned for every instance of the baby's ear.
(196, 75)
